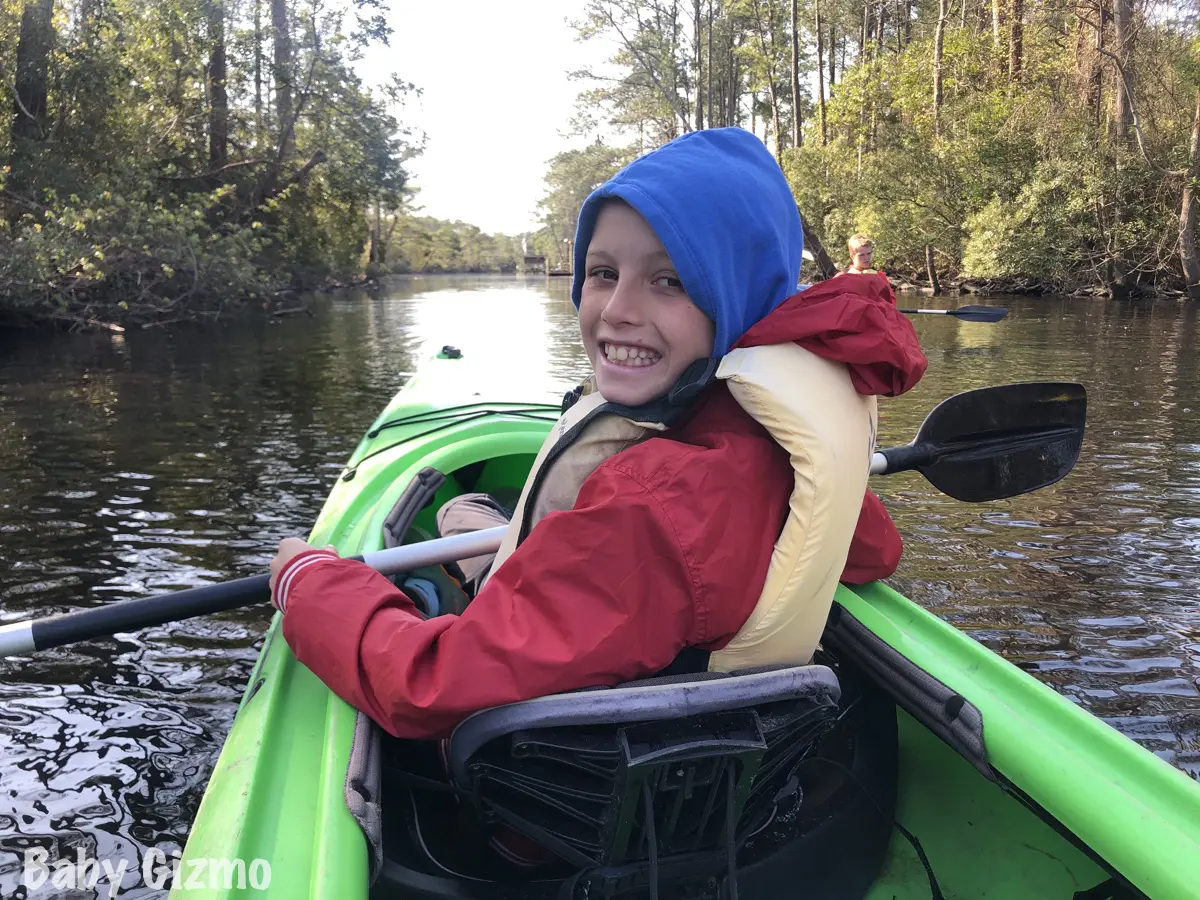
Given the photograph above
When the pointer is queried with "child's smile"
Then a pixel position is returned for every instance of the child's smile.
(626, 355)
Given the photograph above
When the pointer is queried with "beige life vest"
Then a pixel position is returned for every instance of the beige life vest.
(810, 407)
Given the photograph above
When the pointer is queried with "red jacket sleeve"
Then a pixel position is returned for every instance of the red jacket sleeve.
(876, 547)
(599, 594)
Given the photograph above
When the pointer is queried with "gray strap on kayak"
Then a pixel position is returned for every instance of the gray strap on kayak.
(419, 494)
(363, 778)
(942, 710)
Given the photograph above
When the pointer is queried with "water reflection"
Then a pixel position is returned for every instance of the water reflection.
(1090, 585)
(175, 458)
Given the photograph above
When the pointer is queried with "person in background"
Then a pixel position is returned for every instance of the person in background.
(861, 248)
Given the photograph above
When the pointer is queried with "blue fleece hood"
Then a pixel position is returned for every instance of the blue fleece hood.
(719, 203)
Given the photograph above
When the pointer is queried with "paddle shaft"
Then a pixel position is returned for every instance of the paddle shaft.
(966, 313)
(133, 615)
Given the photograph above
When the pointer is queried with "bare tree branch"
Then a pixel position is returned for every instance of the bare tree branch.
(1137, 119)
(16, 96)
(200, 176)
(669, 96)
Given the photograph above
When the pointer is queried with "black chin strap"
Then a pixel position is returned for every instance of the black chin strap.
(668, 409)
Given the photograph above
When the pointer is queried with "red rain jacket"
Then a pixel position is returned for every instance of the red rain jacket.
(666, 547)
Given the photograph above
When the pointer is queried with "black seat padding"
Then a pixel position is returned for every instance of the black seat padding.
(673, 697)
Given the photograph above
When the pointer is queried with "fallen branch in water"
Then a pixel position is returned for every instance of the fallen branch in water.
(83, 323)
(293, 311)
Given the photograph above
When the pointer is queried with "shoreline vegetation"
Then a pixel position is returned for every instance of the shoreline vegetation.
(188, 160)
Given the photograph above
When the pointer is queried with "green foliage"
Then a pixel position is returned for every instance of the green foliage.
(1023, 173)
(424, 244)
(572, 175)
(122, 206)
(150, 257)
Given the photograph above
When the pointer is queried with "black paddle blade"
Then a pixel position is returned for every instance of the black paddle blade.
(998, 442)
(979, 313)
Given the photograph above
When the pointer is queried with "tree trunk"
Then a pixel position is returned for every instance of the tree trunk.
(1188, 253)
(864, 29)
(767, 49)
(1122, 122)
(698, 40)
(709, 91)
(932, 269)
(1015, 37)
(832, 56)
(373, 253)
(775, 122)
(997, 19)
(821, 73)
(825, 265)
(218, 98)
(735, 81)
(33, 73)
(259, 124)
(881, 19)
(283, 78)
(939, 38)
(674, 98)
(796, 109)
(1095, 83)
(908, 11)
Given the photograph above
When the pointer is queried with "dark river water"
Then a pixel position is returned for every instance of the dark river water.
(162, 459)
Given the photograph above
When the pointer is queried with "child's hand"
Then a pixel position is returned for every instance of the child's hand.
(288, 548)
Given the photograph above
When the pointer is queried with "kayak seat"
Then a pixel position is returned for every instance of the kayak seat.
(579, 773)
(669, 786)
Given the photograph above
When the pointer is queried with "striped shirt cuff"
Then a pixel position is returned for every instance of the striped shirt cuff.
(297, 564)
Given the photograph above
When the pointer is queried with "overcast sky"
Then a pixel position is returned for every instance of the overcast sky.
(496, 100)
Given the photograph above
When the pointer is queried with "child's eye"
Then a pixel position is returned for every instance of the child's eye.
(604, 273)
(668, 281)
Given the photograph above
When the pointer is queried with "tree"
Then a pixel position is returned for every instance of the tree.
(1188, 253)
(572, 175)
(32, 85)
(1122, 120)
(1015, 39)
(797, 119)
(939, 38)
(283, 75)
(820, 36)
(155, 169)
(653, 97)
(218, 128)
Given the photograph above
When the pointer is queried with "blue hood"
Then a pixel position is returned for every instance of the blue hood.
(719, 203)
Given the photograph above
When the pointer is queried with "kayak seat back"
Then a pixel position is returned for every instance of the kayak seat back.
(668, 774)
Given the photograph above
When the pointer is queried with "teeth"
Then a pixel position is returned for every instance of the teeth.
(630, 356)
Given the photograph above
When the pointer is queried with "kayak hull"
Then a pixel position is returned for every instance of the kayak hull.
(1056, 804)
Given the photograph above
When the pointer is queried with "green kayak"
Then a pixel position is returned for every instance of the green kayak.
(907, 762)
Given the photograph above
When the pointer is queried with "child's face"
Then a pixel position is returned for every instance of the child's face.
(862, 256)
(639, 328)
